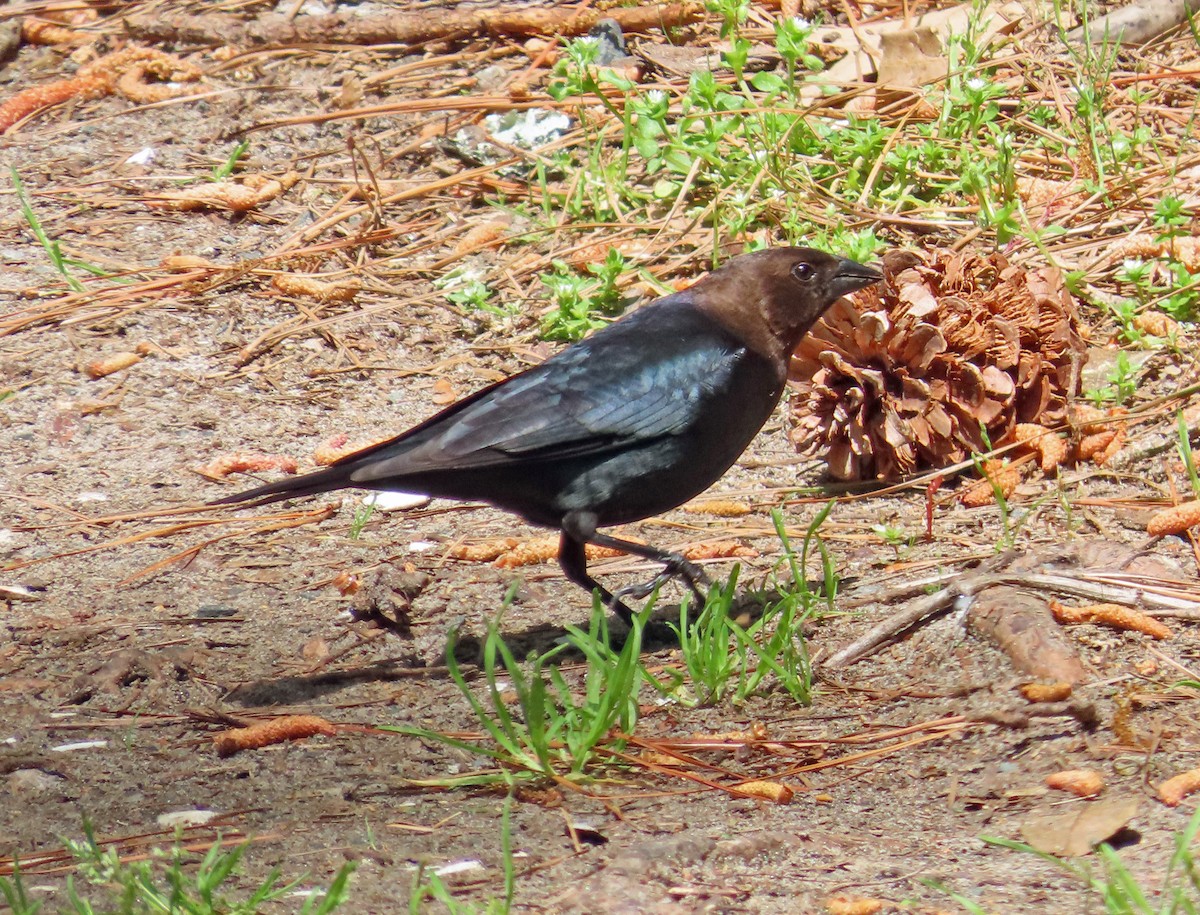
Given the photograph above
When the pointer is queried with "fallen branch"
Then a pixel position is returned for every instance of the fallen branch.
(1156, 597)
(1136, 23)
(407, 28)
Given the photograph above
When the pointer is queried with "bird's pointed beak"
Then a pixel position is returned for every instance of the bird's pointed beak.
(852, 276)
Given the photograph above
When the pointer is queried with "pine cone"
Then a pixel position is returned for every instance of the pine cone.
(900, 378)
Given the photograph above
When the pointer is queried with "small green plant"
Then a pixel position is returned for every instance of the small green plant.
(169, 881)
(225, 169)
(895, 537)
(59, 260)
(578, 73)
(362, 514)
(1171, 216)
(1008, 529)
(1165, 284)
(553, 732)
(463, 287)
(15, 896)
(582, 303)
(1184, 444)
(1122, 384)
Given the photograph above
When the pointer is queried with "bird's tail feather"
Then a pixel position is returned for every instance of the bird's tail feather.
(310, 484)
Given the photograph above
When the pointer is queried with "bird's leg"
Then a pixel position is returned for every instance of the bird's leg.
(573, 561)
(581, 527)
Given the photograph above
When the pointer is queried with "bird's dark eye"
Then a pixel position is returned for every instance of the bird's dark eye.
(804, 272)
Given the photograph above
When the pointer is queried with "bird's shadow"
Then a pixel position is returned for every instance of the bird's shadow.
(659, 633)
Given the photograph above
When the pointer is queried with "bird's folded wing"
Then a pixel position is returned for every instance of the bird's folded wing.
(561, 410)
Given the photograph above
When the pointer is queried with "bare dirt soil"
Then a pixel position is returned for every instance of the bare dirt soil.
(150, 624)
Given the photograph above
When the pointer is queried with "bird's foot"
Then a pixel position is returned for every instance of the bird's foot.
(691, 573)
(674, 567)
(638, 592)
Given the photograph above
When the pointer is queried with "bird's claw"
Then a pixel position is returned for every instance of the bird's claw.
(675, 567)
(638, 592)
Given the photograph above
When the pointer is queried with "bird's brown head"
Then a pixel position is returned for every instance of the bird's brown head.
(769, 299)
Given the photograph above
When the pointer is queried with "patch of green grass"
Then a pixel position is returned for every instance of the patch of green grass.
(1163, 283)
(724, 660)
(896, 537)
(554, 729)
(551, 730)
(743, 154)
(172, 880)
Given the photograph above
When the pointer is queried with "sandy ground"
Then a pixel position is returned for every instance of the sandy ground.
(146, 634)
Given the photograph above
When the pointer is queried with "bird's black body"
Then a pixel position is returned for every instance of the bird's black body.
(630, 422)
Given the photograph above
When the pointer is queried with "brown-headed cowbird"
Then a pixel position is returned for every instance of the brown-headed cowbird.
(632, 421)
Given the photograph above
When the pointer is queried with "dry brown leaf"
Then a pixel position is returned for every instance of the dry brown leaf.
(1113, 615)
(246, 462)
(1079, 829)
(277, 730)
(1175, 789)
(902, 377)
(1081, 782)
(1174, 520)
